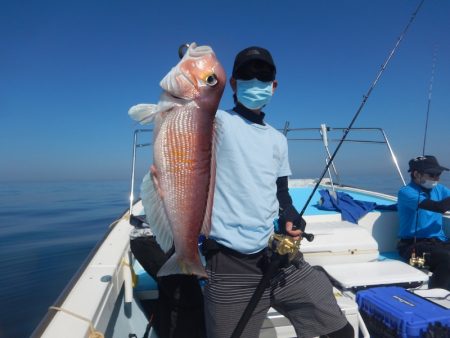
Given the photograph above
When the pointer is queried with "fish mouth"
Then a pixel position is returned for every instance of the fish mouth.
(177, 99)
(169, 97)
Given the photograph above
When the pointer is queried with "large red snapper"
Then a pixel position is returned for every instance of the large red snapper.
(178, 200)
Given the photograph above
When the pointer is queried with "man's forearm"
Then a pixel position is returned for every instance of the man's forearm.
(286, 207)
(436, 206)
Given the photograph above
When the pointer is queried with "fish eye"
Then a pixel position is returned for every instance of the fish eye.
(211, 80)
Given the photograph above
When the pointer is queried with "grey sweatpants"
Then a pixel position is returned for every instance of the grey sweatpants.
(304, 295)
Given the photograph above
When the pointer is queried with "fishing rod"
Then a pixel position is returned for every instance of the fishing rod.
(430, 90)
(278, 256)
(414, 260)
(361, 106)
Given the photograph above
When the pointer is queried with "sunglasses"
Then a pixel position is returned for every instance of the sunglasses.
(433, 175)
(256, 69)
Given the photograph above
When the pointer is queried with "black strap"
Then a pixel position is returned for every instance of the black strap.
(409, 241)
(276, 262)
(147, 330)
(209, 247)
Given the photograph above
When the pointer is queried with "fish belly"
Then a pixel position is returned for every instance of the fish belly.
(182, 154)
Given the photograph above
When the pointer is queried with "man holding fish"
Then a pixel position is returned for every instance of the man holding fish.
(227, 179)
(251, 185)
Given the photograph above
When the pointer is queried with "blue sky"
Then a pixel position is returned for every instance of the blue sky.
(69, 71)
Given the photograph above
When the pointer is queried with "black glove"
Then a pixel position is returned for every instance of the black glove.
(290, 214)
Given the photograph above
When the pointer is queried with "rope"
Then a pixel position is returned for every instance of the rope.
(134, 277)
(93, 333)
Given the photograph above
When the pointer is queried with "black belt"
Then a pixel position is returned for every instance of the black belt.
(408, 241)
(209, 247)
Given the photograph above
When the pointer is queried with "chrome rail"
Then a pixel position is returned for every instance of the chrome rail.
(385, 140)
(324, 134)
(322, 130)
(133, 162)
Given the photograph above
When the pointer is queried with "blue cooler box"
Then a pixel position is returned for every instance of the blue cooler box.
(394, 312)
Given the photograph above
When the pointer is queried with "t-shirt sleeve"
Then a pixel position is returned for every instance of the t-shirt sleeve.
(410, 198)
(446, 192)
(284, 169)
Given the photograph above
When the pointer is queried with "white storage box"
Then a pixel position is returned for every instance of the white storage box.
(386, 272)
(276, 325)
(338, 242)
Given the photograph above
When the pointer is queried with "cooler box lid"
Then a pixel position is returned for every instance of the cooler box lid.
(353, 275)
(339, 242)
(394, 309)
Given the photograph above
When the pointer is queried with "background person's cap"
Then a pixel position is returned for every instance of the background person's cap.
(251, 54)
(426, 164)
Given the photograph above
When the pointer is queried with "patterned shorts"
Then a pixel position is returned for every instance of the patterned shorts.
(303, 294)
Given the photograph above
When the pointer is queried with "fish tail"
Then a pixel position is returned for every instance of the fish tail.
(178, 266)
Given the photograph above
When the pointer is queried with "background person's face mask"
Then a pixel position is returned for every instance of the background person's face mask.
(428, 184)
(253, 94)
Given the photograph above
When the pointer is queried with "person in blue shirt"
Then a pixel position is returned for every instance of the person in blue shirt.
(251, 188)
(421, 205)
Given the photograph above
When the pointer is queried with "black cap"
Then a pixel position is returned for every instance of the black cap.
(252, 54)
(426, 164)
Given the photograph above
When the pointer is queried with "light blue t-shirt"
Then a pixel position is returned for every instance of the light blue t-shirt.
(250, 158)
(429, 223)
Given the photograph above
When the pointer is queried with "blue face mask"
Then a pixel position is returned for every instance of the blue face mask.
(253, 94)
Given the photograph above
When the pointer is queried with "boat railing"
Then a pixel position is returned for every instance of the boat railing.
(292, 135)
(136, 145)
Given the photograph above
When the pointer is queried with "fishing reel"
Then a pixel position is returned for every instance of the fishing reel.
(285, 245)
(418, 262)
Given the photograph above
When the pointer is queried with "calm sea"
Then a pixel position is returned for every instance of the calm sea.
(48, 229)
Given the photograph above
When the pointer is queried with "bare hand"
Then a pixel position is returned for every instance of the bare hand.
(296, 234)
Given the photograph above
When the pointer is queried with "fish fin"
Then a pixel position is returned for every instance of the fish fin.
(156, 214)
(144, 113)
(206, 226)
(176, 265)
